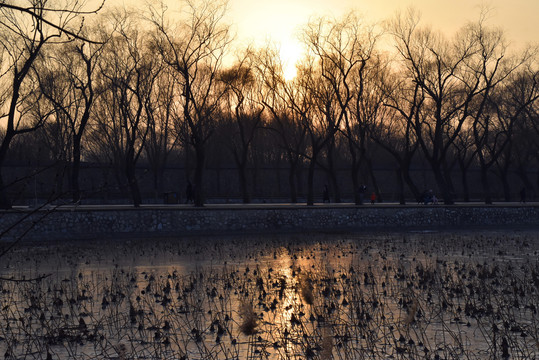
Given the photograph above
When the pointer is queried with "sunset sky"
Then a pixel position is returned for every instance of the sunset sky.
(279, 20)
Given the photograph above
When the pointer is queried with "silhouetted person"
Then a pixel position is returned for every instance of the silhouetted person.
(428, 197)
(325, 194)
(373, 198)
(523, 195)
(189, 193)
(362, 189)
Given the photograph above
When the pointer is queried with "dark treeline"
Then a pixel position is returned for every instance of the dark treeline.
(125, 104)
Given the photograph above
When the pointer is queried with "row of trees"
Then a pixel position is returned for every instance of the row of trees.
(130, 88)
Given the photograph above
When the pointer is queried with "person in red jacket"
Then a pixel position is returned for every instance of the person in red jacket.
(373, 198)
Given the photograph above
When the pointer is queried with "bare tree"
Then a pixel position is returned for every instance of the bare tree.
(511, 106)
(366, 114)
(194, 48)
(532, 116)
(441, 69)
(66, 80)
(283, 121)
(486, 70)
(162, 137)
(343, 49)
(242, 113)
(310, 101)
(392, 128)
(129, 72)
(466, 154)
(25, 29)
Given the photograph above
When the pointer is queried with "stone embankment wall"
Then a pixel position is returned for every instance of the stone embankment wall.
(176, 221)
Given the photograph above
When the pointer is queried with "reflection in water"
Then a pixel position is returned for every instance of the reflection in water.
(319, 296)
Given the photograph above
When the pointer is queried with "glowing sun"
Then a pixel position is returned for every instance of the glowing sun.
(290, 53)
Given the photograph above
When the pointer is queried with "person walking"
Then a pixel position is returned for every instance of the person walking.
(362, 190)
(373, 198)
(325, 194)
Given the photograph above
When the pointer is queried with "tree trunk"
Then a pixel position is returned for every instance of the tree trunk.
(310, 179)
(410, 183)
(310, 184)
(405, 173)
(505, 185)
(358, 191)
(292, 174)
(58, 186)
(373, 180)
(75, 171)
(119, 172)
(158, 189)
(400, 184)
(442, 184)
(523, 174)
(537, 181)
(447, 174)
(464, 181)
(130, 172)
(465, 186)
(335, 187)
(255, 175)
(485, 184)
(242, 174)
(332, 174)
(5, 202)
(199, 176)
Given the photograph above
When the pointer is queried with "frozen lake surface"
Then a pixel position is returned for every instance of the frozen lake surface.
(433, 295)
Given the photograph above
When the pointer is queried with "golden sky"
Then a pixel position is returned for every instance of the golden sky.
(279, 20)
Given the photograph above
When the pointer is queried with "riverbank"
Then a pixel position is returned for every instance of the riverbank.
(83, 222)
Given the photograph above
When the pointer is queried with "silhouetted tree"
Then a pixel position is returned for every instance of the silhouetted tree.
(488, 68)
(392, 129)
(163, 137)
(343, 49)
(312, 103)
(283, 121)
(242, 114)
(448, 73)
(194, 48)
(511, 103)
(129, 71)
(25, 30)
(66, 81)
(466, 155)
